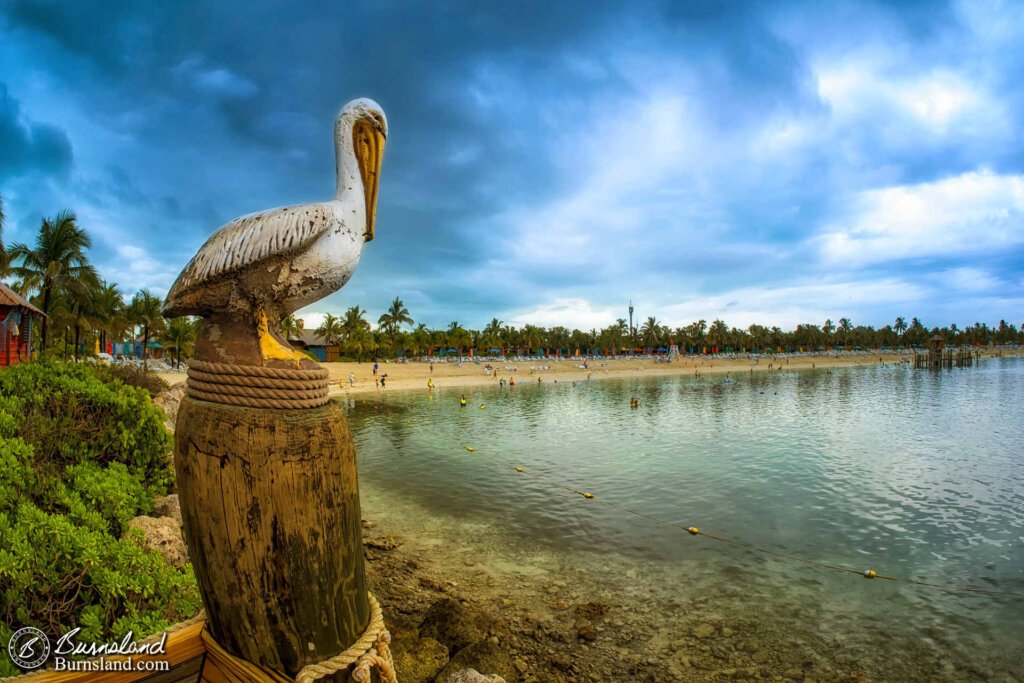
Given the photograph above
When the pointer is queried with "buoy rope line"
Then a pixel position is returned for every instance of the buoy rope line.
(254, 386)
(694, 531)
(369, 653)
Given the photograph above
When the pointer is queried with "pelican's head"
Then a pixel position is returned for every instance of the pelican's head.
(360, 131)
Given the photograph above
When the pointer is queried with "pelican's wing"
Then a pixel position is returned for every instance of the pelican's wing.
(244, 242)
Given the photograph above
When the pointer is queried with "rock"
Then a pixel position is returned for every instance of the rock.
(592, 611)
(704, 630)
(162, 534)
(560, 661)
(382, 543)
(472, 676)
(456, 627)
(482, 656)
(726, 632)
(167, 506)
(418, 660)
(585, 631)
(168, 401)
(430, 583)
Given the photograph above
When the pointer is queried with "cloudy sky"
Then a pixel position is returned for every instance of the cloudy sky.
(759, 162)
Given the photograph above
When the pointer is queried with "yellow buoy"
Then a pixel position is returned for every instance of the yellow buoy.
(870, 574)
(694, 530)
(468, 448)
(519, 469)
(481, 406)
(588, 495)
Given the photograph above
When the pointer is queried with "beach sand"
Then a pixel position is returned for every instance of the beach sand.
(414, 374)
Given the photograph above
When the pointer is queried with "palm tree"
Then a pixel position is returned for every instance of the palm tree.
(181, 336)
(845, 327)
(717, 334)
(419, 340)
(458, 337)
(289, 327)
(108, 310)
(81, 308)
(396, 316)
(649, 332)
(146, 310)
(330, 330)
(900, 326)
(360, 341)
(828, 328)
(354, 321)
(59, 261)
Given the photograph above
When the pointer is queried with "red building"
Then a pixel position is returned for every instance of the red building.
(15, 330)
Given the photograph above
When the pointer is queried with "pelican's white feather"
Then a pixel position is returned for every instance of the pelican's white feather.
(248, 240)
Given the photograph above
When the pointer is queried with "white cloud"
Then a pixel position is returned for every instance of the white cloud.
(215, 81)
(567, 312)
(965, 214)
(790, 305)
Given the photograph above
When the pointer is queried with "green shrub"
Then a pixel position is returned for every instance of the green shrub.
(71, 416)
(56, 574)
(79, 458)
(132, 376)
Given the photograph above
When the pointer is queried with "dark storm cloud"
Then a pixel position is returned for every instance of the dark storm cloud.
(590, 151)
(26, 146)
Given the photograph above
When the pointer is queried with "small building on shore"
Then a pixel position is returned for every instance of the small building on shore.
(308, 340)
(16, 314)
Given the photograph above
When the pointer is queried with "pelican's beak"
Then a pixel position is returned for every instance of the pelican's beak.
(370, 153)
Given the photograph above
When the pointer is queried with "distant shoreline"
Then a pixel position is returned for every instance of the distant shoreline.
(415, 374)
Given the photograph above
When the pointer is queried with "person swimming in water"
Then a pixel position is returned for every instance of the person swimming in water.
(462, 401)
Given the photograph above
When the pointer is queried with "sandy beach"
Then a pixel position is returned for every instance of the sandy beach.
(414, 375)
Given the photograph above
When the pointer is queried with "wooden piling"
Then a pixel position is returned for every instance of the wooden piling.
(270, 507)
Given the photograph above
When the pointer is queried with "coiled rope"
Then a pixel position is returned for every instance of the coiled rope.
(254, 386)
(694, 531)
(370, 652)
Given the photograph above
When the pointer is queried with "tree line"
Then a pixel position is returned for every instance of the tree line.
(352, 334)
(55, 274)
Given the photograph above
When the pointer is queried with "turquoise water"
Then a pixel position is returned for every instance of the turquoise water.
(911, 473)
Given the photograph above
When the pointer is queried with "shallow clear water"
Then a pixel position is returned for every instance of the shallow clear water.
(911, 473)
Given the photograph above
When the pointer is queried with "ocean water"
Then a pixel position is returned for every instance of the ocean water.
(910, 473)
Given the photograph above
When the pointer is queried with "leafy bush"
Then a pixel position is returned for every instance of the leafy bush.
(70, 416)
(79, 458)
(133, 376)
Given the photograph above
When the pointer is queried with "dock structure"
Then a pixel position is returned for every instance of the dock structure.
(939, 356)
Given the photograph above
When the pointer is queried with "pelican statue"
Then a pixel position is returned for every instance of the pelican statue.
(259, 268)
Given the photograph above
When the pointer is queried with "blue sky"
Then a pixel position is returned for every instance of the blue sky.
(760, 162)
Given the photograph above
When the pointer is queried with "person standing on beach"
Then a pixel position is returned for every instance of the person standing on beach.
(430, 385)
(375, 369)
(351, 379)
(384, 377)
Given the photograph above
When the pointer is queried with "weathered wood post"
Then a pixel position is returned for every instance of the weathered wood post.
(266, 467)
